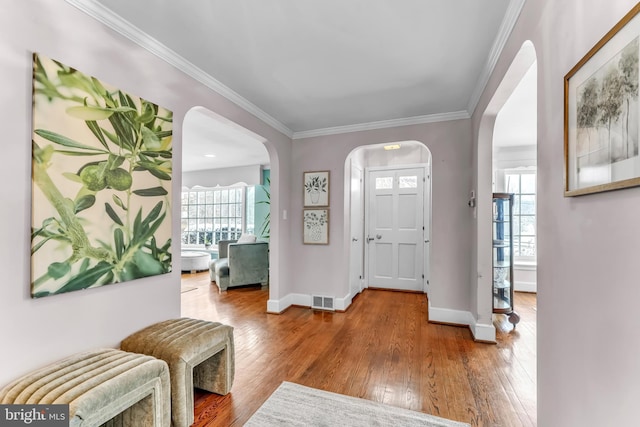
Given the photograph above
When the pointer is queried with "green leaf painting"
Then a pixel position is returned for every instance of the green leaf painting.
(101, 193)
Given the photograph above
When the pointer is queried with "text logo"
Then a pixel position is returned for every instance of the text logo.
(34, 415)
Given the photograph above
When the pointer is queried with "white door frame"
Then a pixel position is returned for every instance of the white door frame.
(356, 238)
(426, 217)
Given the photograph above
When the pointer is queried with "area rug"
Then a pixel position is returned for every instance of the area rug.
(296, 405)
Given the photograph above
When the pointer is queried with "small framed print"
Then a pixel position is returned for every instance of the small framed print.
(316, 188)
(316, 226)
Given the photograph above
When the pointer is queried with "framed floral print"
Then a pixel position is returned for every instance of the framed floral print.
(316, 227)
(316, 189)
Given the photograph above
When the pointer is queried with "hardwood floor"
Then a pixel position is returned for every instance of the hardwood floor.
(382, 349)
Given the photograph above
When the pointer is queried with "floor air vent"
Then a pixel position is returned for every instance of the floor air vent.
(321, 302)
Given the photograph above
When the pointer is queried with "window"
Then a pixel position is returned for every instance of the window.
(211, 215)
(523, 184)
(408, 182)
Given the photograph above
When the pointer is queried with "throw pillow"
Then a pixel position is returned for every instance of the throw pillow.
(247, 238)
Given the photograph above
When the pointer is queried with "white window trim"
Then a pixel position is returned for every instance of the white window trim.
(203, 189)
(520, 261)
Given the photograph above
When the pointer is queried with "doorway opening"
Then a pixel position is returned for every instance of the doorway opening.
(226, 185)
(397, 209)
(506, 159)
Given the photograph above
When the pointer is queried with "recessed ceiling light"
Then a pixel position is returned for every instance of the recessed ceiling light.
(392, 147)
(209, 155)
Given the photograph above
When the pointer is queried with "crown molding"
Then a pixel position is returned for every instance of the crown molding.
(125, 28)
(509, 21)
(416, 120)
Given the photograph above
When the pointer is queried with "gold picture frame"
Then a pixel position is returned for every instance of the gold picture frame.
(602, 113)
(315, 224)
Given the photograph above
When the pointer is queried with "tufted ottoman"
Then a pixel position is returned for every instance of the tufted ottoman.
(100, 386)
(194, 261)
(199, 353)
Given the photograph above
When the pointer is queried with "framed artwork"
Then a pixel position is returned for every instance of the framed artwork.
(601, 114)
(101, 183)
(316, 226)
(316, 188)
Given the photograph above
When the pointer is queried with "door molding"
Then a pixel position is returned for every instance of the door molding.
(426, 217)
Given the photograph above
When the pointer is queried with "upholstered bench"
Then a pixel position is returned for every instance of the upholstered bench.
(199, 353)
(100, 385)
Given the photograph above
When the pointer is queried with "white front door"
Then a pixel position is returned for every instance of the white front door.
(356, 267)
(395, 228)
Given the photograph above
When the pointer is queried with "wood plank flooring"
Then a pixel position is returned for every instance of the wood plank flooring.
(381, 349)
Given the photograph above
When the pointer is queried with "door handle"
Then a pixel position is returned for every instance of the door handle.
(354, 239)
(378, 236)
(370, 239)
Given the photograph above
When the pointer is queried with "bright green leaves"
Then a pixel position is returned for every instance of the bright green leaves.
(118, 242)
(58, 269)
(112, 214)
(89, 278)
(66, 142)
(129, 144)
(42, 155)
(85, 202)
(90, 113)
(151, 192)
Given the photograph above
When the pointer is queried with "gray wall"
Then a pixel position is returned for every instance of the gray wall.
(588, 289)
(323, 269)
(35, 332)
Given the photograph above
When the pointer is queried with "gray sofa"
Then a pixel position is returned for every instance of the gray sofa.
(240, 264)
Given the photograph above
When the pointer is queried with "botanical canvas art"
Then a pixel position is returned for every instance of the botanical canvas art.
(101, 191)
(602, 118)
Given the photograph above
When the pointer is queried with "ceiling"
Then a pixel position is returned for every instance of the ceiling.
(212, 142)
(312, 67)
(516, 122)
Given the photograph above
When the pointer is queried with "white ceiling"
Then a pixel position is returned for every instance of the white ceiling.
(312, 67)
(516, 122)
(212, 142)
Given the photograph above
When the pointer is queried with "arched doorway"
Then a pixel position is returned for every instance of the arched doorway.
(483, 330)
(227, 158)
(388, 156)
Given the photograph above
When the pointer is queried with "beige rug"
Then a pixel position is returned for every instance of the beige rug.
(296, 405)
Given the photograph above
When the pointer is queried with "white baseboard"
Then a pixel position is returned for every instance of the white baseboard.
(483, 332)
(277, 306)
(480, 331)
(525, 286)
(303, 300)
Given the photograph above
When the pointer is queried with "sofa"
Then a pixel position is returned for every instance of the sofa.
(240, 262)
